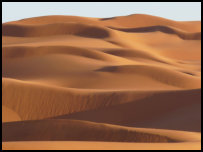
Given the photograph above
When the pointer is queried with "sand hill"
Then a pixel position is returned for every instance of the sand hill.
(127, 82)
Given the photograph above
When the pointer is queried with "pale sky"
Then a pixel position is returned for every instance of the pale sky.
(180, 11)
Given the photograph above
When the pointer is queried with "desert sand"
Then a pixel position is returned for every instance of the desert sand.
(126, 82)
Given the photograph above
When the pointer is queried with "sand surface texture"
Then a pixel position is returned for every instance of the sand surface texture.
(127, 82)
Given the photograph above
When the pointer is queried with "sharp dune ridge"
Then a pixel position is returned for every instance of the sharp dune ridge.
(9, 115)
(164, 29)
(129, 53)
(122, 82)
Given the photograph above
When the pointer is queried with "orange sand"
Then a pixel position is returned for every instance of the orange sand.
(86, 83)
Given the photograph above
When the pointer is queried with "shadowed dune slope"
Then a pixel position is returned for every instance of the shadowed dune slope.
(55, 29)
(27, 51)
(178, 110)
(86, 131)
(129, 107)
(72, 130)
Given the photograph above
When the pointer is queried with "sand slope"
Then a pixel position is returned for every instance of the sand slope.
(60, 130)
(69, 80)
(73, 145)
(178, 110)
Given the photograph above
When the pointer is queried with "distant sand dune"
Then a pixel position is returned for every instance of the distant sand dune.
(165, 29)
(142, 20)
(167, 76)
(26, 51)
(55, 29)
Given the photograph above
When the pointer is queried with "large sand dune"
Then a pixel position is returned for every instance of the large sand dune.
(126, 82)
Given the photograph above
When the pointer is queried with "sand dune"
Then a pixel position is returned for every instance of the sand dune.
(164, 29)
(62, 101)
(55, 29)
(26, 51)
(178, 110)
(144, 20)
(72, 130)
(54, 19)
(101, 83)
(169, 77)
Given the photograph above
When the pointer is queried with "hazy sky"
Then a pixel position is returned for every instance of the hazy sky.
(181, 11)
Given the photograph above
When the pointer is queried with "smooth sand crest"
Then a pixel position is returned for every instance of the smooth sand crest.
(101, 83)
